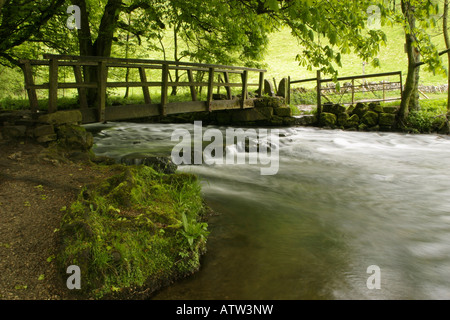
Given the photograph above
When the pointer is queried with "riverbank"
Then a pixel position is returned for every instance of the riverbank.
(33, 191)
(45, 215)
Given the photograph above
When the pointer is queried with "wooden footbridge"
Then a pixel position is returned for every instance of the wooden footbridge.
(98, 74)
(218, 76)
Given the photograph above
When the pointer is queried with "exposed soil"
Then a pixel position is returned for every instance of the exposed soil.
(33, 194)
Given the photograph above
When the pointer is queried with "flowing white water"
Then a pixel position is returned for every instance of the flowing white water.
(340, 202)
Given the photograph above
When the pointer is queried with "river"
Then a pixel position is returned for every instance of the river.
(339, 203)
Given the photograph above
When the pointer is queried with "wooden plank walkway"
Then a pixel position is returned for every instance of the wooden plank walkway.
(100, 112)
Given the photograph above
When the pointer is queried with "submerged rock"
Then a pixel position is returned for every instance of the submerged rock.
(160, 162)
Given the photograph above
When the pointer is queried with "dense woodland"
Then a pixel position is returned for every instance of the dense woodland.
(224, 32)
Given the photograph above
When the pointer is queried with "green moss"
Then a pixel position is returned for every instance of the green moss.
(127, 232)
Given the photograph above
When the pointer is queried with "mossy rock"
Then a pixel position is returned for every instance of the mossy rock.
(375, 107)
(387, 120)
(266, 112)
(441, 125)
(342, 119)
(370, 118)
(128, 235)
(360, 109)
(352, 122)
(390, 109)
(289, 121)
(327, 119)
(275, 121)
(350, 109)
(62, 117)
(250, 115)
(74, 137)
(363, 127)
(160, 162)
(283, 111)
(267, 101)
(327, 107)
(337, 109)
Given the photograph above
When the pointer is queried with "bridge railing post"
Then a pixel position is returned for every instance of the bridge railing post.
(210, 88)
(226, 80)
(145, 91)
(261, 84)
(101, 94)
(29, 85)
(53, 86)
(319, 92)
(244, 88)
(164, 87)
(191, 87)
(81, 91)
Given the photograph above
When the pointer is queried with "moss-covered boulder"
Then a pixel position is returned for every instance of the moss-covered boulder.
(342, 119)
(269, 101)
(370, 118)
(62, 117)
(327, 107)
(283, 112)
(327, 119)
(250, 115)
(391, 109)
(337, 109)
(134, 232)
(350, 109)
(387, 120)
(360, 109)
(160, 162)
(375, 107)
(74, 137)
(352, 122)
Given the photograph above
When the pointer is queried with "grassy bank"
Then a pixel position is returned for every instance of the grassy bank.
(134, 232)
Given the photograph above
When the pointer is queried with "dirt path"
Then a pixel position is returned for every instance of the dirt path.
(33, 195)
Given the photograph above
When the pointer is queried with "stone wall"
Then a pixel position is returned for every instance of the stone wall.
(62, 127)
(362, 117)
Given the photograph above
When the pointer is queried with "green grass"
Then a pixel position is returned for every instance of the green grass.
(284, 48)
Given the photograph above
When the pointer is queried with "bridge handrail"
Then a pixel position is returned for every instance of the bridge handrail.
(148, 61)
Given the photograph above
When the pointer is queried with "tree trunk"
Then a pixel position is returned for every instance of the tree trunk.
(447, 44)
(102, 45)
(410, 92)
(175, 56)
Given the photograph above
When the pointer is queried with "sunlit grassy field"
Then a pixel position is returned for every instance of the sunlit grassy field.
(284, 47)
